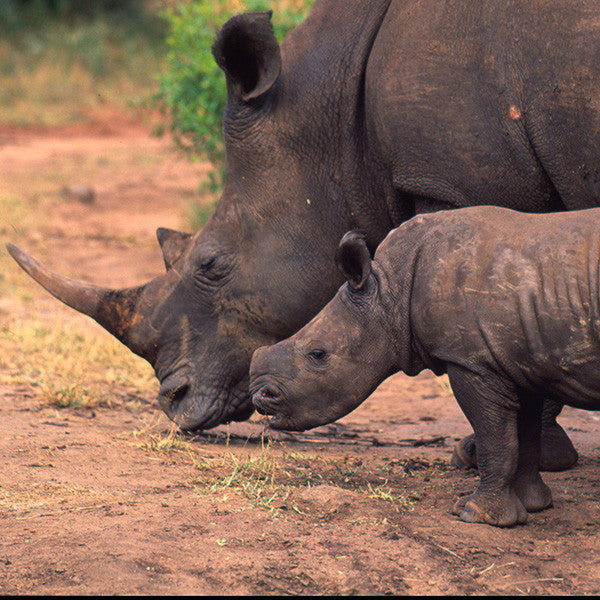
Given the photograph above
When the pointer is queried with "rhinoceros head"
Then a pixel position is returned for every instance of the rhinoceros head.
(262, 265)
(159, 322)
(333, 363)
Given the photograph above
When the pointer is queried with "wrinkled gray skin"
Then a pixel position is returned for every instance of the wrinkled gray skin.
(506, 303)
(368, 113)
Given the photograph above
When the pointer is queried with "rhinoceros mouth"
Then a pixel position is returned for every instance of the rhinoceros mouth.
(195, 405)
(207, 409)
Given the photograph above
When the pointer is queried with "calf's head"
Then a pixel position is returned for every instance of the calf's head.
(333, 363)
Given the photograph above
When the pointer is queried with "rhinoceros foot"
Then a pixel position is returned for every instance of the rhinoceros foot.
(500, 510)
(533, 493)
(557, 451)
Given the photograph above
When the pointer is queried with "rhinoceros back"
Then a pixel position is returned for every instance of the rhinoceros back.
(514, 293)
(489, 102)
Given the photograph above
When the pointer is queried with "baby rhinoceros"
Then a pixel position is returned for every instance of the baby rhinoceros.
(506, 303)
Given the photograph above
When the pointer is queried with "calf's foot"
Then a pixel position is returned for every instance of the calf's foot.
(557, 450)
(503, 509)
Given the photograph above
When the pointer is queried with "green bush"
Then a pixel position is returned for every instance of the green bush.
(192, 89)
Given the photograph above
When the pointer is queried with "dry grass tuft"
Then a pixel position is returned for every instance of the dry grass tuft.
(72, 363)
(269, 476)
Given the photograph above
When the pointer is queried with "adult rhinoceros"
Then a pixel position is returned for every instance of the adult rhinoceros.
(368, 113)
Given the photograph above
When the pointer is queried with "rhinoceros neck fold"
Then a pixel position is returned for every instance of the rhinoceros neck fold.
(397, 260)
(326, 74)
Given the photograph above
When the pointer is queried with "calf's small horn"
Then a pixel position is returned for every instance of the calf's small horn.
(113, 309)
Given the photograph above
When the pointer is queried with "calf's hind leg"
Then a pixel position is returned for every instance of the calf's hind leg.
(491, 406)
(558, 452)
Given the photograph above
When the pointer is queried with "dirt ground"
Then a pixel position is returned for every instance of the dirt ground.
(84, 509)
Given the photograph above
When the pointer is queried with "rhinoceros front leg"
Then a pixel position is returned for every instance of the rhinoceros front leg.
(557, 450)
(491, 406)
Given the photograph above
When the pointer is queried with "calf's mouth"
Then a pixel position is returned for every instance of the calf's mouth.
(269, 400)
(266, 399)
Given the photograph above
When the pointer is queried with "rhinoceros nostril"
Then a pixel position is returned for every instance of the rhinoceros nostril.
(175, 395)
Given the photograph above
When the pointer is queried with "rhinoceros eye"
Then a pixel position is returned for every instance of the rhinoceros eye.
(211, 267)
(318, 356)
(208, 264)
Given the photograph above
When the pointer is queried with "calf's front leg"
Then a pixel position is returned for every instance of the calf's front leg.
(491, 406)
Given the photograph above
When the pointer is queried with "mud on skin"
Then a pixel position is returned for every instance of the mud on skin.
(506, 303)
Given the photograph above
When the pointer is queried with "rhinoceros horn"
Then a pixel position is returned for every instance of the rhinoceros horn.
(113, 309)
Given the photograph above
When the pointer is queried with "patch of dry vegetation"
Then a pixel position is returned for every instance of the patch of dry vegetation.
(64, 357)
(71, 363)
(269, 476)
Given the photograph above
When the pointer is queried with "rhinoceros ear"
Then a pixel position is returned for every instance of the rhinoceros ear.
(172, 243)
(247, 50)
(353, 259)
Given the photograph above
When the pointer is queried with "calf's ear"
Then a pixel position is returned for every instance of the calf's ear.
(247, 50)
(353, 259)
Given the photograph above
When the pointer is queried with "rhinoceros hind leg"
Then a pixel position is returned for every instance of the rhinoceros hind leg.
(534, 497)
(527, 483)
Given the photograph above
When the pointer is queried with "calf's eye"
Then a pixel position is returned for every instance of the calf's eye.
(208, 264)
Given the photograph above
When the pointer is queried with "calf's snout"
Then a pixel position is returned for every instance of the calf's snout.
(275, 361)
(269, 367)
